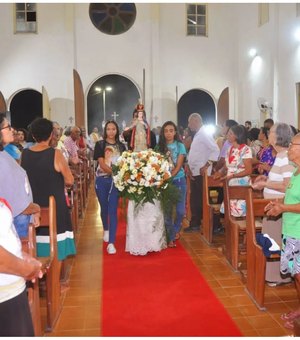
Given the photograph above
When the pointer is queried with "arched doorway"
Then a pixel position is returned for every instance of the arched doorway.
(196, 101)
(25, 106)
(111, 97)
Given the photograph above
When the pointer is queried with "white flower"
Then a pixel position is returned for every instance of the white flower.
(139, 171)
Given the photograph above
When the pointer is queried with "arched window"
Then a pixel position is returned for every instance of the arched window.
(111, 97)
(112, 18)
(197, 101)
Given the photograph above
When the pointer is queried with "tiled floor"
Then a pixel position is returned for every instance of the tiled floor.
(81, 304)
(229, 287)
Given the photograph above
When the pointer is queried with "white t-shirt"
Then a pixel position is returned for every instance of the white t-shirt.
(10, 285)
(203, 149)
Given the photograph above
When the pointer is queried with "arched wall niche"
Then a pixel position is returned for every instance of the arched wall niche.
(116, 100)
(199, 101)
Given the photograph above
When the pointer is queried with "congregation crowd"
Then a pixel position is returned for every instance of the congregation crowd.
(39, 162)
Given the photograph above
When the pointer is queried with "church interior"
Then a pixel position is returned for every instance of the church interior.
(87, 63)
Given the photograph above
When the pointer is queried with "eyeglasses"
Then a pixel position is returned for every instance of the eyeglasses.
(6, 127)
(291, 144)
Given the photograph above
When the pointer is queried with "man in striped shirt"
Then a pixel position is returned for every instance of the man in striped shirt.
(71, 144)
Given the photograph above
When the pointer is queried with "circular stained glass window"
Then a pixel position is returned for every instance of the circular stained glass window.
(112, 18)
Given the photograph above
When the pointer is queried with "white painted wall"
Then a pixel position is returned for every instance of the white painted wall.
(36, 60)
(157, 42)
(195, 62)
(288, 63)
(275, 71)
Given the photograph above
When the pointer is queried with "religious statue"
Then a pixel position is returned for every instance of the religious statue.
(140, 138)
(139, 135)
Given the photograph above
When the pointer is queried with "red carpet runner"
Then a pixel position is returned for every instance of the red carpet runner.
(160, 294)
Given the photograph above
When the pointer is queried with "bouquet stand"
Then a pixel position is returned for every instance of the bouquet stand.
(145, 228)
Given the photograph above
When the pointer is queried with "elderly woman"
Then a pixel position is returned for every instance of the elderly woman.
(238, 166)
(15, 187)
(48, 173)
(11, 147)
(226, 144)
(266, 156)
(274, 186)
(290, 211)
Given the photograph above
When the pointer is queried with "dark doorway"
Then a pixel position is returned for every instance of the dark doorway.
(117, 102)
(196, 101)
(25, 106)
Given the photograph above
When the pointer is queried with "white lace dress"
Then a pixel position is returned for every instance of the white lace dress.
(145, 228)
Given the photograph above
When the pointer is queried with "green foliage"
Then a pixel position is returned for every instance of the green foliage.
(169, 198)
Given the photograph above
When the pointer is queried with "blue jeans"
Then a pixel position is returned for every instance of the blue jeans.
(108, 196)
(174, 227)
(21, 223)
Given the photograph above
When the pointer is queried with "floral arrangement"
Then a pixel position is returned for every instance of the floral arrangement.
(144, 176)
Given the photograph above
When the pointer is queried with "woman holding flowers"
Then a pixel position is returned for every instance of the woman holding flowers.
(171, 146)
(106, 153)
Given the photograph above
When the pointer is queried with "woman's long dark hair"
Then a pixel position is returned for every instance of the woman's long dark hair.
(117, 137)
(162, 144)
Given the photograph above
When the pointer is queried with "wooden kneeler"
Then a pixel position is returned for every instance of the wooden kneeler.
(54, 306)
(209, 209)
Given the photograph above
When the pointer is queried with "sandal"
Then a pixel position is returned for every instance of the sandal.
(290, 315)
(172, 244)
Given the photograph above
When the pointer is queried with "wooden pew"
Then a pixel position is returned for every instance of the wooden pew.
(297, 327)
(54, 306)
(78, 188)
(91, 170)
(209, 209)
(188, 214)
(29, 246)
(83, 174)
(256, 260)
(73, 197)
(234, 226)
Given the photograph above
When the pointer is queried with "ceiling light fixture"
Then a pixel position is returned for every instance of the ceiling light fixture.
(253, 52)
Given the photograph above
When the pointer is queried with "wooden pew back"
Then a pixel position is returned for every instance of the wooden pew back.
(209, 208)
(54, 305)
(234, 226)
